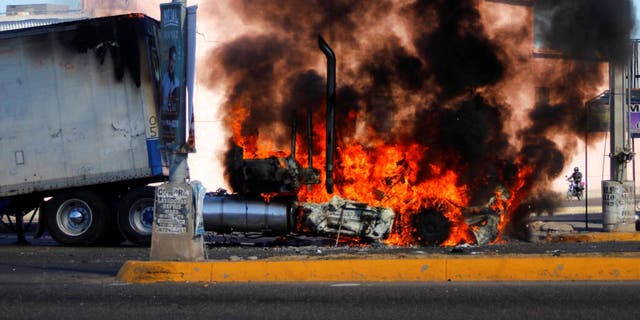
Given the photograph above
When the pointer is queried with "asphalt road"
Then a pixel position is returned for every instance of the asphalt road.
(108, 300)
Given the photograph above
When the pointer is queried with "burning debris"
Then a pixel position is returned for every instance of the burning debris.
(484, 220)
(432, 227)
(348, 218)
(431, 118)
(279, 175)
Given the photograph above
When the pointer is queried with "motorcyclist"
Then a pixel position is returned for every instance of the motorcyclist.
(575, 179)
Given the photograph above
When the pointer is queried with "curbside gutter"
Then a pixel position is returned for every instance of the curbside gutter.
(436, 269)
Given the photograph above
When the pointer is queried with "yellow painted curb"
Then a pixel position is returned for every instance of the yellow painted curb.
(514, 268)
(596, 237)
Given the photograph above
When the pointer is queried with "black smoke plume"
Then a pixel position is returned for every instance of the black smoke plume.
(587, 28)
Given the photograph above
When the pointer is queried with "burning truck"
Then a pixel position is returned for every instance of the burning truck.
(420, 148)
(268, 190)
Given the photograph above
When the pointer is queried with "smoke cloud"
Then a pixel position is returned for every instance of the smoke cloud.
(588, 28)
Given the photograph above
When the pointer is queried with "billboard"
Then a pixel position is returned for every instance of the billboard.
(633, 97)
(598, 112)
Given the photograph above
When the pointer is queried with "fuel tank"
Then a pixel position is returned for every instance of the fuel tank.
(239, 213)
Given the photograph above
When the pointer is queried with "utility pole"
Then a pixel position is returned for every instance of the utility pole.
(618, 209)
(176, 228)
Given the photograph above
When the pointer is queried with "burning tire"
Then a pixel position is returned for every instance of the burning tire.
(77, 218)
(135, 215)
(431, 227)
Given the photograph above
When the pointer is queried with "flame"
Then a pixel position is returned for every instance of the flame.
(252, 146)
(266, 197)
(387, 175)
(517, 192)
(236, 116)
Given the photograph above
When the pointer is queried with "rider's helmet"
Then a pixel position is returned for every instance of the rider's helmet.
(576, 169)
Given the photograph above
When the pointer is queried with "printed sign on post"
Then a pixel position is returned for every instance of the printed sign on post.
(172, 207)
(174, 226)
(618, 206)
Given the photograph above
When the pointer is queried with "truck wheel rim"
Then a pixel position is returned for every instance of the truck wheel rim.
(74, 217)
(141, 216)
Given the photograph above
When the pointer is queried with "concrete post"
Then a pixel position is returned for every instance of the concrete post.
(618, 211)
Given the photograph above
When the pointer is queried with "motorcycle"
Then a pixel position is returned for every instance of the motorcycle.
(575, 190)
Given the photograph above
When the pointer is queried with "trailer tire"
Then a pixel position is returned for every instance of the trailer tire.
(135, 215)
(77, 218)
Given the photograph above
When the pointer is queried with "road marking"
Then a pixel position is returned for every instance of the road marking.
(345, 285)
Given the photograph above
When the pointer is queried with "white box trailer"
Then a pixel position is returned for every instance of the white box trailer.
(79, 127)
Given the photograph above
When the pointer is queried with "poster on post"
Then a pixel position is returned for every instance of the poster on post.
(172, 81)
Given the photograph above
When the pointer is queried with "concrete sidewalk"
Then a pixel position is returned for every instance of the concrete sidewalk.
(577, 215)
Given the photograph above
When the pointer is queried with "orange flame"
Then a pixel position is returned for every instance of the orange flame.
(517, 192)
(386, 175)
(252, 148)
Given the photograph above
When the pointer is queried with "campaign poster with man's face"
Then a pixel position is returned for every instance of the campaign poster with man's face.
(172, 81)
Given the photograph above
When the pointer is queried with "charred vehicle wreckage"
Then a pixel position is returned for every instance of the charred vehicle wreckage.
(265, 197)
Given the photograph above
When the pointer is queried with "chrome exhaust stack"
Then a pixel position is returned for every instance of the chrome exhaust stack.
(331, 103)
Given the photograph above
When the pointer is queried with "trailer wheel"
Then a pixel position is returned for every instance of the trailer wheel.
(77, 218)
(135, 215)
